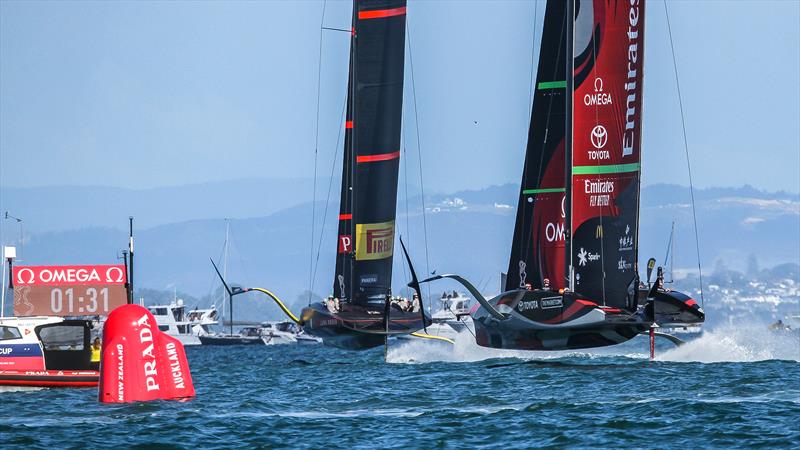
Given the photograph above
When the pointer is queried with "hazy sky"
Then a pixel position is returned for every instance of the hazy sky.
(143, 94)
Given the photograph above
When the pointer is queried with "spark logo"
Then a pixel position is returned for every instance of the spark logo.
(374, 240)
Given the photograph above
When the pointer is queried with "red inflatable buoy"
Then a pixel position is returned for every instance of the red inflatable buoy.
(140, 363)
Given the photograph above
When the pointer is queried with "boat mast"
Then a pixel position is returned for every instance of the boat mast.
(351, 256)
(672, 254)
(225, 275)
(570, 88)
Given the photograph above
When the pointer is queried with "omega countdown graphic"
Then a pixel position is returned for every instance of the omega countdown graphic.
(68, 290)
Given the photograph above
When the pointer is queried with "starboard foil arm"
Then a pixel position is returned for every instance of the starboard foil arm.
(675, 340)
(280, 304)
(472, 290)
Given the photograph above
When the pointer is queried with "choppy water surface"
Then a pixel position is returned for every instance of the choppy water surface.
(728, 388)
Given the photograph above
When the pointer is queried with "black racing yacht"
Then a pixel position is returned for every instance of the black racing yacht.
(572, 280)
(361, 313)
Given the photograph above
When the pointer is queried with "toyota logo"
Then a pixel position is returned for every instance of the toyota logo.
(599, 136)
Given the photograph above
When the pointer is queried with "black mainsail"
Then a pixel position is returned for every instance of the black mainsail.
(372, 152)
(537, 250)
(361, 313)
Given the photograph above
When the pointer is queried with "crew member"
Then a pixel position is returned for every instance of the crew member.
(415, 303)
(95, 354)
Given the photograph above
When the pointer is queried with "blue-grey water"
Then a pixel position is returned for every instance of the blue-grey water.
(728, 388)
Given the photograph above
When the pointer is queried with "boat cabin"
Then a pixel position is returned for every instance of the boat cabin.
(45, 343)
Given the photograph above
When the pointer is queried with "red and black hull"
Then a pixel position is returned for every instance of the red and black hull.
(673, 308)
(566, 338)
(548, 320)
(358, 327)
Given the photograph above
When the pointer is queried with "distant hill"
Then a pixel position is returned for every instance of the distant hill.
(59, 208)
(469, 232)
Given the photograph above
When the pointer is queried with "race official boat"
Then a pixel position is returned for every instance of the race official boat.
(46, 351)
(572, 279)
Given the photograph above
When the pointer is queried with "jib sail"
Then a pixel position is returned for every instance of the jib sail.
(372, 152)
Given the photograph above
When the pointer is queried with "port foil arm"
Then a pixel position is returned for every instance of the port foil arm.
(472, 290)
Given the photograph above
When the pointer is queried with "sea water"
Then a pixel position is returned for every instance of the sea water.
(733, 387)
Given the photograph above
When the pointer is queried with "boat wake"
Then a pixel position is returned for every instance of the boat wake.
(465, 349)
(20, 389)
(737, 344)
(750, 343)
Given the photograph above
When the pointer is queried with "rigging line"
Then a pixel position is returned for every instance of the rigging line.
(669, 244)
(404, 162)
(419, 153)
(686, 149)
(316, 156)
(405, 182)
(457, 319)
(214, 280)
(332, 28)
(533, 55)
(328, 197)
(248, 280)
(670, 254)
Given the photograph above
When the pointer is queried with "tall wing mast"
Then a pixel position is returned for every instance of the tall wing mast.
(372, 152)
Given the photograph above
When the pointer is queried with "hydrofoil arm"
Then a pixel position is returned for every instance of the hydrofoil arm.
(675, 340)
(280, 304)
(472, 290)
(238, 290)
(432, 336)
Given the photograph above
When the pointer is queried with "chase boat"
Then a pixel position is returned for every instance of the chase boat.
(46, 351)
(285, 332)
